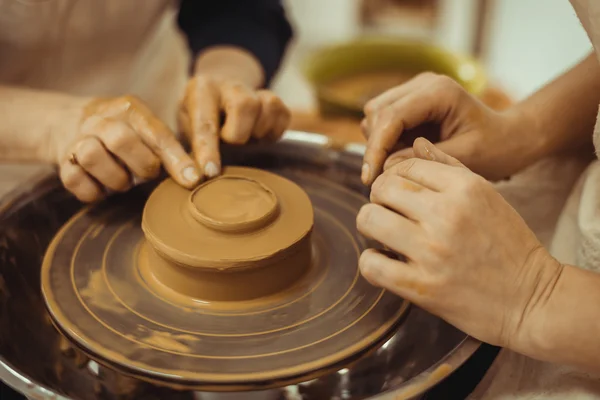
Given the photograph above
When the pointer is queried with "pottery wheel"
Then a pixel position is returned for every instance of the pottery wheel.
(209, 315)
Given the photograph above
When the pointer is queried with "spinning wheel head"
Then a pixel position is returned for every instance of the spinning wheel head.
(249, 280)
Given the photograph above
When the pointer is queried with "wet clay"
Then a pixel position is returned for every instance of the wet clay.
(241, 236)
(233, 204)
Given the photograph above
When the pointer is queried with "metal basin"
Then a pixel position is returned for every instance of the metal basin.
(35, 361)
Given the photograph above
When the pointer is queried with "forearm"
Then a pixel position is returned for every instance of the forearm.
(561, 116)
(230, 62)
(28, 119)
(258, 28)
(564, 325)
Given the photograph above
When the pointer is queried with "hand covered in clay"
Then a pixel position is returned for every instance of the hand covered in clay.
(118, 143)
(468, 256)
(438, 108)
(248, 114)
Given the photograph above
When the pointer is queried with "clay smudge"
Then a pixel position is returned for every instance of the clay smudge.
(97, 294)
(169, 341)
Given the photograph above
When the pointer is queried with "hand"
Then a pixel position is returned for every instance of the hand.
(248, 114)
(493, 144)
(469, 257)
(119, 143)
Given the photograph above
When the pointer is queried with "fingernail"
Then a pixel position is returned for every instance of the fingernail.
(365, 173)
(211, 170)
(430, 155)
(190, 174)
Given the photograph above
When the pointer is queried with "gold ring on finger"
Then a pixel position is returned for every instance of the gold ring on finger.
(73, 159)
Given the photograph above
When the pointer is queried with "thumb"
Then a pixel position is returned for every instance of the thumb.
(457, 149)
(424, 149)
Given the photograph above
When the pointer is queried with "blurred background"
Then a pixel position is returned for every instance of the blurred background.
(516, 45)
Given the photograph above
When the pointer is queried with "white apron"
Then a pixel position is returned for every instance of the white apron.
(560, 200)
(96, 48)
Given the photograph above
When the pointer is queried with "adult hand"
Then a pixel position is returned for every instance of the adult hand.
(118, 143)
(490, 143)
(469, 257)
(248, 114)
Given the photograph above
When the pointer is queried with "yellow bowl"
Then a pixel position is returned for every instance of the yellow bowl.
(382, 55)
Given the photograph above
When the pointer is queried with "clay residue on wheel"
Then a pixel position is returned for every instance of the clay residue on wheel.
(97, 292)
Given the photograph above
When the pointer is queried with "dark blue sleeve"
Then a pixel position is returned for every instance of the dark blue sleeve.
(259, 26)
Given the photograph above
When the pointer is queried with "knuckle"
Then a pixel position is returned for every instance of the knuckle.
(439, 251)
(70, 178)
(129, 101)
(445, 81)
(379, 187)
(163, 141)
(87, 196)
(151, 169)
(235, 138)
(365, 216)
(286, 117)
(405, 167)
(427, 76)
(196, 86)
(370, 108)
(119, 138)
(120, 183)
(206, 126)
(247, 104)
(88, 152)
(270, 99)
(367, 264)
(471, 185)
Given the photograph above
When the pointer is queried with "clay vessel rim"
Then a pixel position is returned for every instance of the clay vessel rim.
(238, 226)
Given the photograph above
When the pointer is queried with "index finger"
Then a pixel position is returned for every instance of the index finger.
(391, 95)
(407, 113)
(202, 105)
(161, 140)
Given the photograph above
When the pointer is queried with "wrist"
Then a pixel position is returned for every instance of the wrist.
(230, 63)
(530, 142)
(533, 336)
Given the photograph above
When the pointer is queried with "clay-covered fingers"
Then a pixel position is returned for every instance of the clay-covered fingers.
(396, 276)
(242, 107)
(200, 120)
(431, 101)
(76, 180)
(274, 117)
(93, 157)
(389, 228)
(126, 147)
(163, 143)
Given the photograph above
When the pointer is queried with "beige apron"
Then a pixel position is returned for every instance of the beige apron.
(569, 225)
(96, 48)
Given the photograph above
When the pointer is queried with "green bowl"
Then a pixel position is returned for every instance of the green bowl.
(370, 55)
